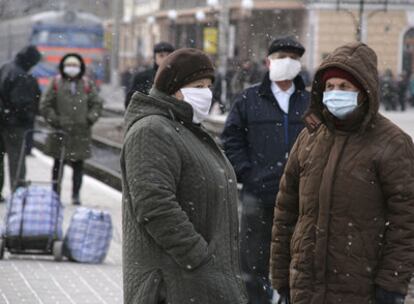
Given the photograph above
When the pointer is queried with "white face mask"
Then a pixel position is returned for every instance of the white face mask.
(284, 69)
(340, 103)
(71, 71)
(200, 100)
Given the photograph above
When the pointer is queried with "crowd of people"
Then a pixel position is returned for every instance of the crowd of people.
(397, 93)
(327, 203)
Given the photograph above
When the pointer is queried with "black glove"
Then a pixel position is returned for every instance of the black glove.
(284, 296)
(383, 296)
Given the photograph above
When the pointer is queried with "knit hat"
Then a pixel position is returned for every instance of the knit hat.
(72, 60)
(163, 47)
(336, 72)
(286, 44)
(181, 68)
(28, 57)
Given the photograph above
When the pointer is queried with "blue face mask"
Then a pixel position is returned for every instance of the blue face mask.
(340, 103)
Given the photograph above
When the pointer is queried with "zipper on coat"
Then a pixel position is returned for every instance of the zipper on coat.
(286, 128)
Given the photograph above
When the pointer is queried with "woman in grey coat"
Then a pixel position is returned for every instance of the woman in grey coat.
(180, 226)
(71, 104)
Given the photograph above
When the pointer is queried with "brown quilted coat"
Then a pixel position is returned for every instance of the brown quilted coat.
(344, 216)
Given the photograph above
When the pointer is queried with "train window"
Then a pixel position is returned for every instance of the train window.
(50, 37)
(40, 37)
(58, 38)
(84, 39)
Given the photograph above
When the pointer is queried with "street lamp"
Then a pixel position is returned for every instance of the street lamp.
(151, 22)
(244, 28)
(172, 15)
(212, 2)
(247, 4)
(200, 17)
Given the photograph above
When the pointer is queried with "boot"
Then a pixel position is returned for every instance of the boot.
(75, 200)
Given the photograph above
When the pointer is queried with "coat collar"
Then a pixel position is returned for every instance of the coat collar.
(266, 90)
(177, 109)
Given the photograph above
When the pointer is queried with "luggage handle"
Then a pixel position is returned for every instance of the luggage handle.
(18, 180)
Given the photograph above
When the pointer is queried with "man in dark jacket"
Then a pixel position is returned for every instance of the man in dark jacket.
(20, 96)
(142, 81)
(258, 135)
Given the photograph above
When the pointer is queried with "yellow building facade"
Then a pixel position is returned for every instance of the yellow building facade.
(390, 33)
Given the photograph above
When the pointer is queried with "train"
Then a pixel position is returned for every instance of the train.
(56, 33)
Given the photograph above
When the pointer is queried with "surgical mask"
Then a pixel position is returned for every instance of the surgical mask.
(71, 71)
(284, 69)
(340, 103)
(200, 100)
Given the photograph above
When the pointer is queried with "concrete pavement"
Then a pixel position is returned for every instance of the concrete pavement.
(39, 279)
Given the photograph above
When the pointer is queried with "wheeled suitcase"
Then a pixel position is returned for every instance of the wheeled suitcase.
(33, 222)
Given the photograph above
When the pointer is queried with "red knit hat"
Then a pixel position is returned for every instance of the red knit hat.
(339, 73)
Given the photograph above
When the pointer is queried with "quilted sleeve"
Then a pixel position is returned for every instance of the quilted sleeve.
(153, 166)
(284, 221)
(396, 171)
(95, 103)
(47, 105)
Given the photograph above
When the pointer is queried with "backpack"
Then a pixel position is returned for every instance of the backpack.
(86, 86)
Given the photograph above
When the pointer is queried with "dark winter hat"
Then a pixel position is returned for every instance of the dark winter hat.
(163, 47)
(28, 57)
(286, 44)
(183, 67)
(336, 72)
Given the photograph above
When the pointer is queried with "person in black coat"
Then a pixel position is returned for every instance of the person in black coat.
(259, 132)
(19, 94)
(143, 81)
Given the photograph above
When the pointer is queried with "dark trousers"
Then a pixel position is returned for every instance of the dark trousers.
(255, 238)
(77, 167)
(2, 152)
(13, 138)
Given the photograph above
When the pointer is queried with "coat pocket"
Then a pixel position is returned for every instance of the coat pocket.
(149, 289)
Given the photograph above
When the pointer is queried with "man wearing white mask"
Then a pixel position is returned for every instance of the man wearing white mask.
(260, 130)
(71, 104)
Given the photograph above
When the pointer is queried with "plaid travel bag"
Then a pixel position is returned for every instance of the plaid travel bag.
(34, 215)
(34, 212)
(89, 236)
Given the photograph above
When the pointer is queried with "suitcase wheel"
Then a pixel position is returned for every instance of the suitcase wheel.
(2, 245)
(58, 250)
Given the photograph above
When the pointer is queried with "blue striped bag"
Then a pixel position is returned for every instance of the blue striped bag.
(89, 236)
(34, 211)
